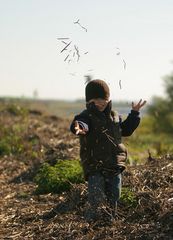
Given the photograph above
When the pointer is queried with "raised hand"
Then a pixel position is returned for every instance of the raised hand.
(78, 129)
(138, 106)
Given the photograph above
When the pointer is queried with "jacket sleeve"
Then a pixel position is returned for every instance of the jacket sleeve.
(129, 125)
(83, 121)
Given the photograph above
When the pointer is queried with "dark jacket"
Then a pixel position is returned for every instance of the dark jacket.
(101, 149)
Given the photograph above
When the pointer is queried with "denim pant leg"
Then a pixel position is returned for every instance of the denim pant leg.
(96, 190)
(113, 190)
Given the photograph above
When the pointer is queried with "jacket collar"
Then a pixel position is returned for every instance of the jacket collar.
(107, 112)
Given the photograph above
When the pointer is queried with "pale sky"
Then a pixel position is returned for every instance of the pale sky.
(129, 45)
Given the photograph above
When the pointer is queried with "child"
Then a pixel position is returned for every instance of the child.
(102, 153)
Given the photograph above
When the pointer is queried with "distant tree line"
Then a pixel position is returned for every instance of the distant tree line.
(161, 109)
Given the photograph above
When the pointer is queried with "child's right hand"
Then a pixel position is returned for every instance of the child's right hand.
(79, 130)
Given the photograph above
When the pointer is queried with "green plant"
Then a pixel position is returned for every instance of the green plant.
(12, 138)
(11, 144)
(58, 178)
(128, 197)
(5, 148)
(145, 140)
(17, 110)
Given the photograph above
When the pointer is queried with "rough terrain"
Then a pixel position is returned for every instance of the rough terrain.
(25, 215)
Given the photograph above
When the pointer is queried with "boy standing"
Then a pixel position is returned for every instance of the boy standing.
(102, 153)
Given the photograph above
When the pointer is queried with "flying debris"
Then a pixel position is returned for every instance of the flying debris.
(118, 51)
(65, 48)
(124, 64)
(64, 42)
(66, 57)
(72, 53)
(120, 84)
(62, 38)
(110, 138)
(88, 78)
(77, 22)
(77, 52)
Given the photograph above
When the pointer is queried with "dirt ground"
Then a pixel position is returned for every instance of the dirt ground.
(25, 215)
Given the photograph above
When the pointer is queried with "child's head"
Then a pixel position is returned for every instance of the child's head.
(97, 91)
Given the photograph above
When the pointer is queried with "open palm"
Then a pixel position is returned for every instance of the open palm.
(139, 105)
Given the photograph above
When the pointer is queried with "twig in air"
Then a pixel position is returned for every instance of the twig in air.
(120, 84)
(83, 27)
(64, 42)
(110, 138)
(124, 64)
(118, 51)
(62, 38)
(88, 78)
(66, 58)
(65, 47)
(77, 52)
(77, 22)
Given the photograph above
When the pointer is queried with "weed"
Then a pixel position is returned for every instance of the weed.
(58, 178)
(128, 197)
(17, 110)
(5, 148)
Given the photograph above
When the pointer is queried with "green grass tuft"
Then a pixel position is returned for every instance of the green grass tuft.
(58, 178)
(128, 197)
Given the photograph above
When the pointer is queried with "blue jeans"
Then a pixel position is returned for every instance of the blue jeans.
(104, 190)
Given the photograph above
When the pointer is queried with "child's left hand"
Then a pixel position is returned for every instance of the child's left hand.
(138, 106)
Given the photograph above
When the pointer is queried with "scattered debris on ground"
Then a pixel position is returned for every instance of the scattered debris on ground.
(25, 215)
